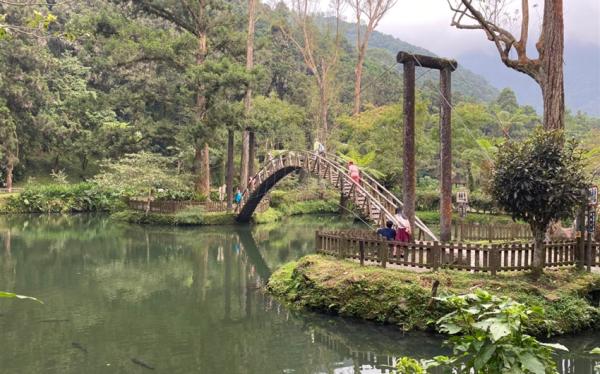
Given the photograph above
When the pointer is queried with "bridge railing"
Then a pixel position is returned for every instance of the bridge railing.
(373, 192)
(366, 247)
(392, 199)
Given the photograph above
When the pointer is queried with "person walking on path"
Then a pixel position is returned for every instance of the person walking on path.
(354, 172)
(387, 232)
(238, 196)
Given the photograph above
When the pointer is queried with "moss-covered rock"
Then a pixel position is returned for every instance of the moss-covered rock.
(404, 297)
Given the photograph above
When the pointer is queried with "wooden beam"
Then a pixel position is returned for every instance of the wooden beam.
(409, 179)
(446, 155)
(427, 61)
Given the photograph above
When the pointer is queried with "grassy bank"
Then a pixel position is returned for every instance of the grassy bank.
(292, 203)
(187, 217)
(404, 298)
(433, 218)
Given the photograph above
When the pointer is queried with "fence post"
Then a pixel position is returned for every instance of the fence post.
(493, 259)
(383, 253)
(318, 242)
(490, 232)
(361, 249)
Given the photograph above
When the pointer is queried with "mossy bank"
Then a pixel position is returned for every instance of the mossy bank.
(404, 298)
(188, 217)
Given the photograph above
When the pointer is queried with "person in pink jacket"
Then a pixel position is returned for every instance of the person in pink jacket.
(354, 172)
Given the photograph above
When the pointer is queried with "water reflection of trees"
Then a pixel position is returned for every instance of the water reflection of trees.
(182, 299)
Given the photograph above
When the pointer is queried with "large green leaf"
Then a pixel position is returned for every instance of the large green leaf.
(532, 363)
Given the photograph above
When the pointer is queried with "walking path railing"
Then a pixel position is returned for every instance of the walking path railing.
(367, 247)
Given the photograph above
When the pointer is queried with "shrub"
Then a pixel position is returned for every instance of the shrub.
(427, 200)
(487, 336)
(61, 198)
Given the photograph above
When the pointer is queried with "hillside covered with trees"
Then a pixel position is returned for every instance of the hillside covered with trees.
(89, 81)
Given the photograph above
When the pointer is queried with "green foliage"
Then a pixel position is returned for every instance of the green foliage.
(140, 174)
(10, 295)
(61, 198)
(540, 179)
(403, 297)
(407, 365)
(487, 336)
(268, 216)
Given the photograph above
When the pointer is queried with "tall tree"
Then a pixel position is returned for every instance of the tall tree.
(494, 18)
(197, 17)
(319, 50)
(367, 13)
(246, 160)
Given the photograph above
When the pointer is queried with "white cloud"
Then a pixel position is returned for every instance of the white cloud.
(426, 23)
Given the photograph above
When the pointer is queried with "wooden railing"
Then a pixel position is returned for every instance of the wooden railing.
(171, 206)
(474, 231)
(373, 200)
(368, 247)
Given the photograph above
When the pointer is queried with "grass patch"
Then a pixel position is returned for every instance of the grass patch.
(187, 217)
(403, 297)
(433, 218)
(279, 211)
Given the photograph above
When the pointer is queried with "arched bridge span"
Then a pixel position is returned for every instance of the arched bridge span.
(369, 196)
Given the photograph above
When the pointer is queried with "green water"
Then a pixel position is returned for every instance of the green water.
(181, 301)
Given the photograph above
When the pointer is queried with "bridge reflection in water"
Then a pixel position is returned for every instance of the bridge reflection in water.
(185, 300)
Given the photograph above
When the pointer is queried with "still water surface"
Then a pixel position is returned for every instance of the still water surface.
(125, 298)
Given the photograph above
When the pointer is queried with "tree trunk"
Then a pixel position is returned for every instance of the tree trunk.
(251, 153)
(205, 172)
(229, 178)
(202, 156)
(9, 174)
(539, 253)
(244, 160)
(323, 112)
(551, 48)
(358, 70)
(198, 167)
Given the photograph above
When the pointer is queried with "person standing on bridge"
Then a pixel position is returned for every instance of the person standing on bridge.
(354, 172)
(319, 148)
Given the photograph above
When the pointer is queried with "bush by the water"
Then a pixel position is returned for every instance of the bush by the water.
(274, 214)
(188, 217)
(404, 297)
(63, 198)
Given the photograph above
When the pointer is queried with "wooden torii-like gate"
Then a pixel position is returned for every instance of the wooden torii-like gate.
(446, 67)
(373, 200)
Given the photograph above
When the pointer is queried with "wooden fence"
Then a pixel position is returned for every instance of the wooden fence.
(171, 206)
(493, 258)
(475, 231)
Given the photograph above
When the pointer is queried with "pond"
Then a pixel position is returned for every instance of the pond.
(125, 298)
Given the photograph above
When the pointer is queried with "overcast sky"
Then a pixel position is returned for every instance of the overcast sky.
(426, 23)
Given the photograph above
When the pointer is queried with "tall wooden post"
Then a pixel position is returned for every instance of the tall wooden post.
(446, 155)
(446, 67)
(409, 180)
